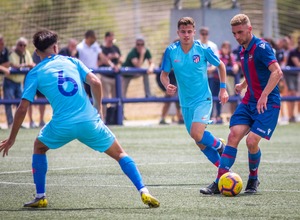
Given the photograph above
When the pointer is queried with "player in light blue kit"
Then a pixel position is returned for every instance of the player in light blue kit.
(188, 58)
(61, 80)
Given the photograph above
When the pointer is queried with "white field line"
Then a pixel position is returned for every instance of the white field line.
(182, 187)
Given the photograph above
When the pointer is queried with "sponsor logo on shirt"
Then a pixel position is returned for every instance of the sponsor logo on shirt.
(262, 45)
(176, 61)
(196, 58)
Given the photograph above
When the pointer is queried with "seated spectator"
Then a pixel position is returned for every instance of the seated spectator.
(70, 50)
(228, 59)
(20, 58)
(136, 58)
(113, 53)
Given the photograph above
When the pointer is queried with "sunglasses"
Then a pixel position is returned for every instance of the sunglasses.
(204, 34)
(22, 45)
(141, 44)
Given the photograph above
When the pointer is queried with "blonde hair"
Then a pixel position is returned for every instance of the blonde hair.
(240, 19)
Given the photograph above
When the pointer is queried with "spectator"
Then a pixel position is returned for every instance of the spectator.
(292, 80)
(136, 58)
(113, 53)
(70, 50)
(4, 61)
(167, 105)
(89, 52)
(228, 59)
(213, 77)
(20, 58)
(42, 107)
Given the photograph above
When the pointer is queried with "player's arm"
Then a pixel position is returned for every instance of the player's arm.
(18, 120)
(223, 95)
(165, 80)
(276, 75)
(96, 89)
(240, 86)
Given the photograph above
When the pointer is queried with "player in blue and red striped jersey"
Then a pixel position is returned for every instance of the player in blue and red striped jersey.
(257, 114)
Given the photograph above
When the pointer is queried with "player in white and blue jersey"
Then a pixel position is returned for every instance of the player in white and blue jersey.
(188, 58)
(256, 116)
(61, 79)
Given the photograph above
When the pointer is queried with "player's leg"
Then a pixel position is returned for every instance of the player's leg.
(51, 136)
(101, 139)
(39, 171)
(254, 156)
(237, 132)
(130, 169)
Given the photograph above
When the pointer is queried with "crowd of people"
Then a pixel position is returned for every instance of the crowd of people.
(108, 54)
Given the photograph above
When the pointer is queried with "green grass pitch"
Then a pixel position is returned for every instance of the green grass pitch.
(84, 184)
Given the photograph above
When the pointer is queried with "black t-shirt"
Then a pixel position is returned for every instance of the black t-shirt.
(4, 55)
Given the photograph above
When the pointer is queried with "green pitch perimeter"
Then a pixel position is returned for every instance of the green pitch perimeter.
(84, 184)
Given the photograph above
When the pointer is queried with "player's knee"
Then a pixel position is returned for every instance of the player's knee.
(252, 144)
(39, 147)
(196, 135)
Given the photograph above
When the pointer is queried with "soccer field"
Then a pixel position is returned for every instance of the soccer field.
(84, 184)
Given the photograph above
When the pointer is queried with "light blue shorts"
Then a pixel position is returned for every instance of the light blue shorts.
(94, 134)
(199, 113)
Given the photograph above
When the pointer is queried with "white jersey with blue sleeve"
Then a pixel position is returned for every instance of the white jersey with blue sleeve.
(190, 71)
(60, 79)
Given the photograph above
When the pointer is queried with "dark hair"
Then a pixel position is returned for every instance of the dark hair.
(44, 39)
(108, 34)
(89, 33)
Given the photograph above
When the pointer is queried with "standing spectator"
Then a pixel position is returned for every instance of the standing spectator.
(42, 107)
(136, 58)
(292, 80)
(89, 52)
(188, 58)
(213, 76)
(70, 50)
(228, 59)
(167, 105)
(4, 61)
(113, 53)
(257, 114)
(19, 58)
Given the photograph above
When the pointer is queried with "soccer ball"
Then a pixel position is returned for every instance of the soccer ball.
(230, 184)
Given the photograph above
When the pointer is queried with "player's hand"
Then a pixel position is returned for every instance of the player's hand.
(223, 96)
(5, 146)
(262, 104)
(171, 89)
(238, 88)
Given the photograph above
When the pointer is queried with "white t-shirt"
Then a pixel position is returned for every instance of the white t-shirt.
(89, 54)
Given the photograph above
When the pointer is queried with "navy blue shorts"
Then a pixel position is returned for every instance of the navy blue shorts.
(261, 124)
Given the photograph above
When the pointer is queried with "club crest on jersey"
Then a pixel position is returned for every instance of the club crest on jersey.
(196, 58)
(262, 45)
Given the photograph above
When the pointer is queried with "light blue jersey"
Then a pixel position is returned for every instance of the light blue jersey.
(190, 71)
(61, 79)
(57, 78)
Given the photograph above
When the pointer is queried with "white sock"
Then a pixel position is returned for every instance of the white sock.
(40, 195)
(144, 190)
